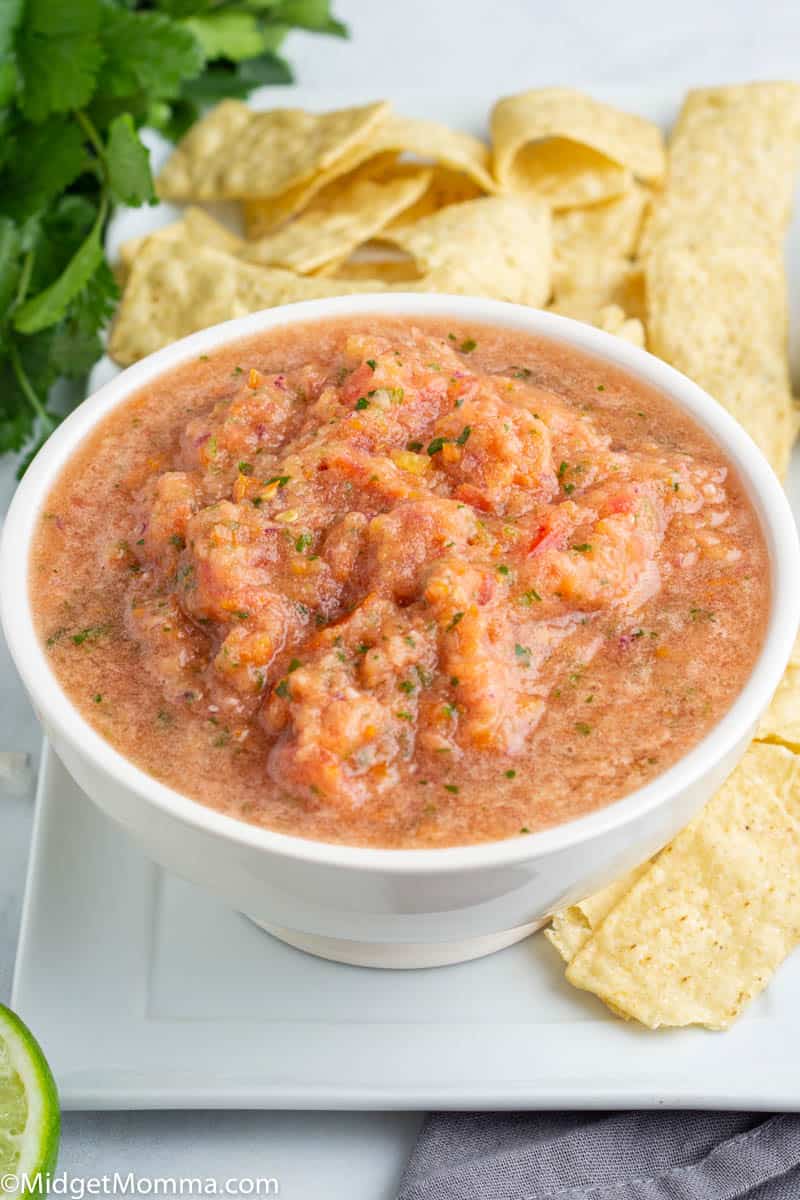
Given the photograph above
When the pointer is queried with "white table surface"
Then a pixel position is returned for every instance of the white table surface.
(458, 44)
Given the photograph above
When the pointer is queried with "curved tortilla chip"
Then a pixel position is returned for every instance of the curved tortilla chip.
(464, 157)
(497, 246)
(571, 150)
(234, 152)
(571, 929)
(704, 928)
(339, 219)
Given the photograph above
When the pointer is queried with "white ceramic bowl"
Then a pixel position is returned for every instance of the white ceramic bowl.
(400, 908)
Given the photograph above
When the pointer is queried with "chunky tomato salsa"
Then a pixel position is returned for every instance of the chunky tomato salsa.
(400, 584)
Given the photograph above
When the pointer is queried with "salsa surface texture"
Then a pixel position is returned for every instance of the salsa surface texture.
(400, 584)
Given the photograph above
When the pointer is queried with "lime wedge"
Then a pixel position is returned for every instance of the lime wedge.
(29, 1112)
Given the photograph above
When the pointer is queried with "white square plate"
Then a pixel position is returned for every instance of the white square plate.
(148, 993)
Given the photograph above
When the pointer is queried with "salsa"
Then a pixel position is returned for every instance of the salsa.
(400, 584)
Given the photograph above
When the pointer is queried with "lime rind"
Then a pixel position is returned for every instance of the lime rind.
(30, 1119)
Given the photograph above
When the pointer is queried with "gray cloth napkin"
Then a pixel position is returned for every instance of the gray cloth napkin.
(605, 1156)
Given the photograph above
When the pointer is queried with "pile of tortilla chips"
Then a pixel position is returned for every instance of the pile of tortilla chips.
(363, 199)
(574, 205)
(579, 207)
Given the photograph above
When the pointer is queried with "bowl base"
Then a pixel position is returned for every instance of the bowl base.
(399, 956)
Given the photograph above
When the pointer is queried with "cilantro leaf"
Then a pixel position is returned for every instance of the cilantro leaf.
(57, 20)
(268, 69)
(308, 14)
(59, 56)
(233, 35)
(76, 344)
(47, 160)
(128, 163)
(10, 18)
(148, 52)
(50, 306)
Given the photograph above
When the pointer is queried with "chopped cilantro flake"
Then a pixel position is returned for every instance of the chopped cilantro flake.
(90, 634)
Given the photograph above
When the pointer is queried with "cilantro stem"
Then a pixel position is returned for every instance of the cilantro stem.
(48, 424)
(24, 279)
(93, 137)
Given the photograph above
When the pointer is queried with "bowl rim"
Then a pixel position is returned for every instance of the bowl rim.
(761, 484)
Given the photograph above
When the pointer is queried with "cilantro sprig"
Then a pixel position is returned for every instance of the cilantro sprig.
(77, 82)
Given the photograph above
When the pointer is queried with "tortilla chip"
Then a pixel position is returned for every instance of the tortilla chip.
(571, 929)
(389, 270)
(733, 158)
(701, 932)
(446, 187)
(571, 150)
(340, 219)
(499, 247)
(720, 316)
(195, 226)
(593, 246)
(612, 318)
(235, 152)
(629, 292)
(463, 157)
(781, 721)
(170, 295)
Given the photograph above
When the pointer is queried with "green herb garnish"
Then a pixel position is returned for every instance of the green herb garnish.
(90, 634)
(78, 79)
